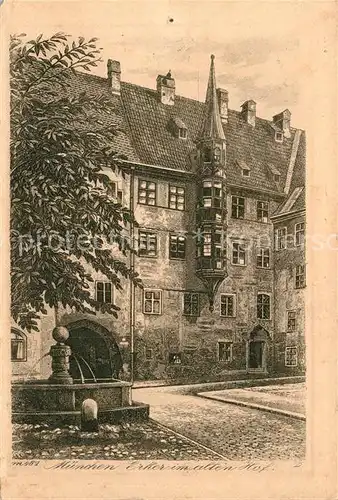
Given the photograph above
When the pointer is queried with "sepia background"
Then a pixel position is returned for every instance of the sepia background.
(279, 54)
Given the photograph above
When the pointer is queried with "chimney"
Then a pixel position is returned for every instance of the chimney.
(223, 102)
(166, 89)
(282, 121)
(114, 76)
(249, 112)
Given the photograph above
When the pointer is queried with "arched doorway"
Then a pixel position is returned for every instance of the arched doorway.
(95, 353)
(256, 349)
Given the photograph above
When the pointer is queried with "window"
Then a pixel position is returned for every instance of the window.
(262, 211)
(263, 306)
(147, 244)
(191, 304)
(300, 276)
(237, 207)
(228, 306)
(263, 258)
(246, 172)
(119, 197)
(104, 292)
(176, 197)
(149, 353)
(276, 177)
(182, 133)
(238, 254)
(299, 234)
(18, 346)
(212, 194)
(224, 351)
(175, 358)
(280, 238)
(147, 192)
(177, 246)
(207, 244)
(278, 136)
(152, 303)
(291, 356)
(217, 155)
(291, 326)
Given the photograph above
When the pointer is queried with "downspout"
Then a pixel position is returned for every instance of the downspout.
(132, 269)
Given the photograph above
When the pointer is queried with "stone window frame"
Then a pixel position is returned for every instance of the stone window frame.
(234, 305)
(236, 207)
(280, 138)
(180, 254)
(193, 312)
(18, 338)
(281, 241)
(182, 133)
(174, 195)
(263, 316)
(152, 300)
(105, 283)
(261, 255)
(263, 209)
(300, 276)
(241, 250)
(299, 233)
(288, 357)
(147, 235)
(228, 350)
(150, 193)
(291, 322)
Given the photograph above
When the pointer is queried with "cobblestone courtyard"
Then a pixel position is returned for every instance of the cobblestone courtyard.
(227, 431)
(235, 432)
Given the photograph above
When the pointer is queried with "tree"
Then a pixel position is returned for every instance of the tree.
(59, 192)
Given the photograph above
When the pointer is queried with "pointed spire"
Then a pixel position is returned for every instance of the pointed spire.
(212, 125)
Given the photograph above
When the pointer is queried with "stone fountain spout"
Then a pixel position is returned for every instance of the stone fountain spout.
(60, 357)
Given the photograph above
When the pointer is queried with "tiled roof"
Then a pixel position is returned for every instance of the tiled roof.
(146, 138)
(294, 202)
(97, 86)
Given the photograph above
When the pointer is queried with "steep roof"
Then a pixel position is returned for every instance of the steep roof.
(212, 125)
(145, 137)
(295, 202)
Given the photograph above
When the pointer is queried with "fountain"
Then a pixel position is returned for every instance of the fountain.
(58, 400)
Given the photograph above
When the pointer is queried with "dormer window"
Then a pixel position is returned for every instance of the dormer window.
(245, 169)
(274, 173)
(279, 136)
(178, 128)
(182, 133)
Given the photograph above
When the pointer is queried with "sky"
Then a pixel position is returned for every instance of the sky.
(265, 51)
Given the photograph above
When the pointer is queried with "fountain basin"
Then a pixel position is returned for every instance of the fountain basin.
(43, 402)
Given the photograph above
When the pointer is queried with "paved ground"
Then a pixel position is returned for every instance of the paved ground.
(288, 397)
(235, 432)
(137, 441)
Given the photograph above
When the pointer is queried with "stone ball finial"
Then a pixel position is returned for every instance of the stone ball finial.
(60, 334)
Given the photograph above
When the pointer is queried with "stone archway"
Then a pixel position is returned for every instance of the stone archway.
(95, 353)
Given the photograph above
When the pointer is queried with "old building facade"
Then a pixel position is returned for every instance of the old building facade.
(220, 203)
